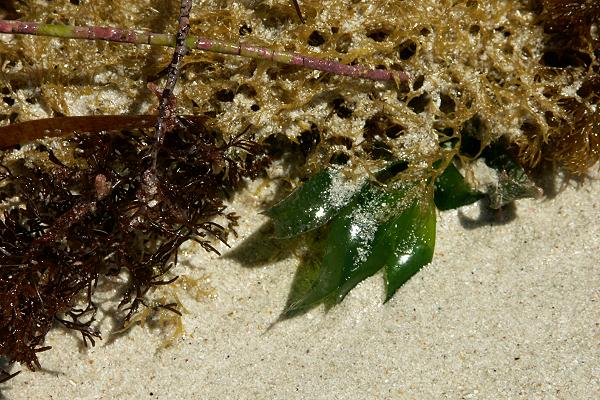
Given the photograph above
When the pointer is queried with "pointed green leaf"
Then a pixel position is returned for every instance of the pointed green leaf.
(385, 206)
(452, 191)
(407, 242)
(348, 240)
(374, 231)
(313, 204)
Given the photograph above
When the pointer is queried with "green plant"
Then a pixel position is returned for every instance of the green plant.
(386, 221)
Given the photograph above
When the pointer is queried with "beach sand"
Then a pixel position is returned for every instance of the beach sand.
(507, 309)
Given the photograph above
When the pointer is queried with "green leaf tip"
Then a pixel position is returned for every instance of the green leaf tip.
(349, 238)
(413, 244)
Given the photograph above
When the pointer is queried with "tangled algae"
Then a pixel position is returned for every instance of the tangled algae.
(526, 72)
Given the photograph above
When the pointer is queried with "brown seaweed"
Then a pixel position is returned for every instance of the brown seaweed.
(81, 220)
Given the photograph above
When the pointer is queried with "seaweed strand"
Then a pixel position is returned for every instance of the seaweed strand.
(166, 108)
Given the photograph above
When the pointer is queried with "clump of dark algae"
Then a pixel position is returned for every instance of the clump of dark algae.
(78, 221)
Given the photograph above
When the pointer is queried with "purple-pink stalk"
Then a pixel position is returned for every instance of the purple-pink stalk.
(199, 43)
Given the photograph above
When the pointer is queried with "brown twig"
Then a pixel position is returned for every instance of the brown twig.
(166, 109)
(298, 11)
(24, 132)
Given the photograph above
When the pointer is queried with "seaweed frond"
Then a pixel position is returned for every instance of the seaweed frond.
(82, 218)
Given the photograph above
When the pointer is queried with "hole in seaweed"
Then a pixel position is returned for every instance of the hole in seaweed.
(334, 29)
(8, 11)
(471, 133)
(551, 119)
(419, 103)
(590, 88)
(379, 35)
(341, 108)
(403, 89)
(407, 49)
(272, 73)
(394, 131)
(530, 128)
(245, 30)
(446, 131)
(8, 100)
(308, 140)
(277, 144)
(379, 125)
(424, 32)
(251, 67)
(255, 107)
(339, 158)
(224, 95)
(378, 150)
(74, 2)
(418, 84)
(474, 29)
(316, 39)
(565, 58)
(246, 90)
(447, 104)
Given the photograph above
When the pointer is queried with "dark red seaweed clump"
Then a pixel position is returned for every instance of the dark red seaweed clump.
(105, 212)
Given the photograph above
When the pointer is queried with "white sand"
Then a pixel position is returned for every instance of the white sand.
(509, 311)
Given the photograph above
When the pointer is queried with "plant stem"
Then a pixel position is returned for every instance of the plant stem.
(166, 108)
(199, 43)
(298, 11)
(24, 132)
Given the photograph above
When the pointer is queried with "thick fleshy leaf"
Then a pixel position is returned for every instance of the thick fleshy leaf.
(513, 182)
(347, 245)
(313, 204)
(402, 244)
(452, 191)
(371, 221)
(407, 242)
(392, 228)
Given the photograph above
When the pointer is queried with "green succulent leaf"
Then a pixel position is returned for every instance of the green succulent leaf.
(349, 238)
(513, 182)
(452, 191)
(391, 228)
(365, 226)
(313, 204)
(408, 241)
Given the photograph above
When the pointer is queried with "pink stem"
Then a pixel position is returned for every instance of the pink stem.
(192, 42)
